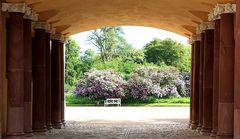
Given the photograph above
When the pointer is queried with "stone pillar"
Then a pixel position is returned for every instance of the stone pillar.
(208, 78)
(196, 68)
(201, 83)
(226, 74)
(28, 76)
(1, 65)
(48, 81)
(216, 19)
(15, 70)
(39, 78)
(62, 59)
(191, 85)
(237, 76)
(56, 82)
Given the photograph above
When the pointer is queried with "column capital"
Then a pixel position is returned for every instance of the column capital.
(193, 38)
(16, 7)
(205, 26)
(224, 8)
(42, 25)
(49, 28)
(32, 16)
(57, 36)
(212, 16)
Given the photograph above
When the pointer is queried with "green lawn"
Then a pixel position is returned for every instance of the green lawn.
(149, 102)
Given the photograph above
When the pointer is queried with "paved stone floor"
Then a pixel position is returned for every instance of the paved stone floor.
(125, 123)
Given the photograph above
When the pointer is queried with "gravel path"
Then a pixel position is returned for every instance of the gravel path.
(144, 125)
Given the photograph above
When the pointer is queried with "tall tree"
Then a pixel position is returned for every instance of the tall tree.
(72, 68)
(107, 40)
(168, 52)
(87, 60)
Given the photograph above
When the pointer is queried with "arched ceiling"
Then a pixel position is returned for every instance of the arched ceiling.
(74, 16)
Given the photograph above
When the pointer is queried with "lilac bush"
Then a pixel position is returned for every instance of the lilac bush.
(153, 81)
(101, 84)
(183, 84)
(145, 81)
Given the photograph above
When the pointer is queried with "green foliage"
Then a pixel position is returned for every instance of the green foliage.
(149, 101)
(128, 53)
(168, 52)
(70, 99)
(108, 40)
(117, 65)
(72, 58)
(87, 60)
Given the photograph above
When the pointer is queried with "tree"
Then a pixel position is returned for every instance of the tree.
(130, 54)
(168, 52)
(87, 60)
(107, 40)
(72, 68)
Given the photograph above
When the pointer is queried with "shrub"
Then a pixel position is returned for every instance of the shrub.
(153, 81)
(183, 84)
(101, 84)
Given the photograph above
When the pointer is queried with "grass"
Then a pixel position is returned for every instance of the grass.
(149, 102)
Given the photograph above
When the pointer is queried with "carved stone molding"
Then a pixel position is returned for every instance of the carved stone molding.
(56, 37)
(212, 16)
(206, 26)
(224, 8)
(48, 28)
(41, 25)
(32, 16)
(53, 30)
(15, 7)
(194, 38)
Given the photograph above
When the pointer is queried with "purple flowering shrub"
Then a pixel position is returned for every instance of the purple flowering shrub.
(101, 84)
(155, 81)
(144, 82)
(183, 84)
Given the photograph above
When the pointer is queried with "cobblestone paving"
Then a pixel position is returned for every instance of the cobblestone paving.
(159, 129)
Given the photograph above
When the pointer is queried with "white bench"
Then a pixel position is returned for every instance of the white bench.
(112, 101)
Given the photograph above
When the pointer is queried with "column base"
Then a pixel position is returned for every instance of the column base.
(49, 127)
(206, 131)
(57, 125)
(213, 134)
(15, 135)
(190, 123)
(194, 126)
(199, 128)
(64, 123)
(19, 136)
(43, 130)
(29, 134)
(226, 136)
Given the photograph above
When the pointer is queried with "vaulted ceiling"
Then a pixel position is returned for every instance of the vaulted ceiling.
(74, 16)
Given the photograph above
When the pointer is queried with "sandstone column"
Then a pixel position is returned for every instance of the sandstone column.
(196, 68)
(56, 81)
(28, 94)
(48, 79)
(201, 83)
(216, 19)
(62, 59)
(237, 76)
(226, 73)
(15, 70)
(191, 85)
(1, 65)
(208, 78)
(39, 78)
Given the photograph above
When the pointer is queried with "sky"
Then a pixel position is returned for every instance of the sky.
(136, 35)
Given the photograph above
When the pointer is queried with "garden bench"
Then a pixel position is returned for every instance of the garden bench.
(112, 101)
